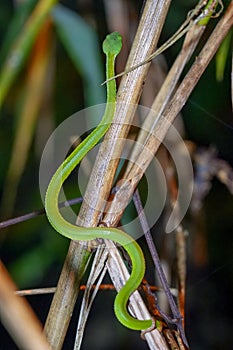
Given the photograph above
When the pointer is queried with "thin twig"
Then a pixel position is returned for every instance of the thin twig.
(154, 254)
(102, 287)
(201, 18)
(33, 214)
(181, 256)
(180, 238)
(177, 318)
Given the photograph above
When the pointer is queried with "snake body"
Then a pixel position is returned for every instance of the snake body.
(111, 47)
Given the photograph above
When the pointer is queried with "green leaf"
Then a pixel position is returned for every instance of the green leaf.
(222, 54)
(21, 14)
(82, 45)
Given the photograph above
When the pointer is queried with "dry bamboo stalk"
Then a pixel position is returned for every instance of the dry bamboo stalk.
(99, 186)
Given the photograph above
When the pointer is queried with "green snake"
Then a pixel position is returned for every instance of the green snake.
(111, 47)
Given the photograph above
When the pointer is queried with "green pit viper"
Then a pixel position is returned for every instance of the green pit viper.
(111, 47)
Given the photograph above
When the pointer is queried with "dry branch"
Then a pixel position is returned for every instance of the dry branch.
(18, 317)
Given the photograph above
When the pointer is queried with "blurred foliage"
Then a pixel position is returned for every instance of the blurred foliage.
(73, 72)
(22, 108)
(29, 109)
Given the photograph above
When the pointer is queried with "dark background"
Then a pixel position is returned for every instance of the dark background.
(34, 254)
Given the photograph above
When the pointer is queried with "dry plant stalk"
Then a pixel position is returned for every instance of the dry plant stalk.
(18, 317)
(136, 171)
(119, 274)
(104, 169)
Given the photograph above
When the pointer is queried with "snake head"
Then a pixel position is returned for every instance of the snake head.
(112, 43)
